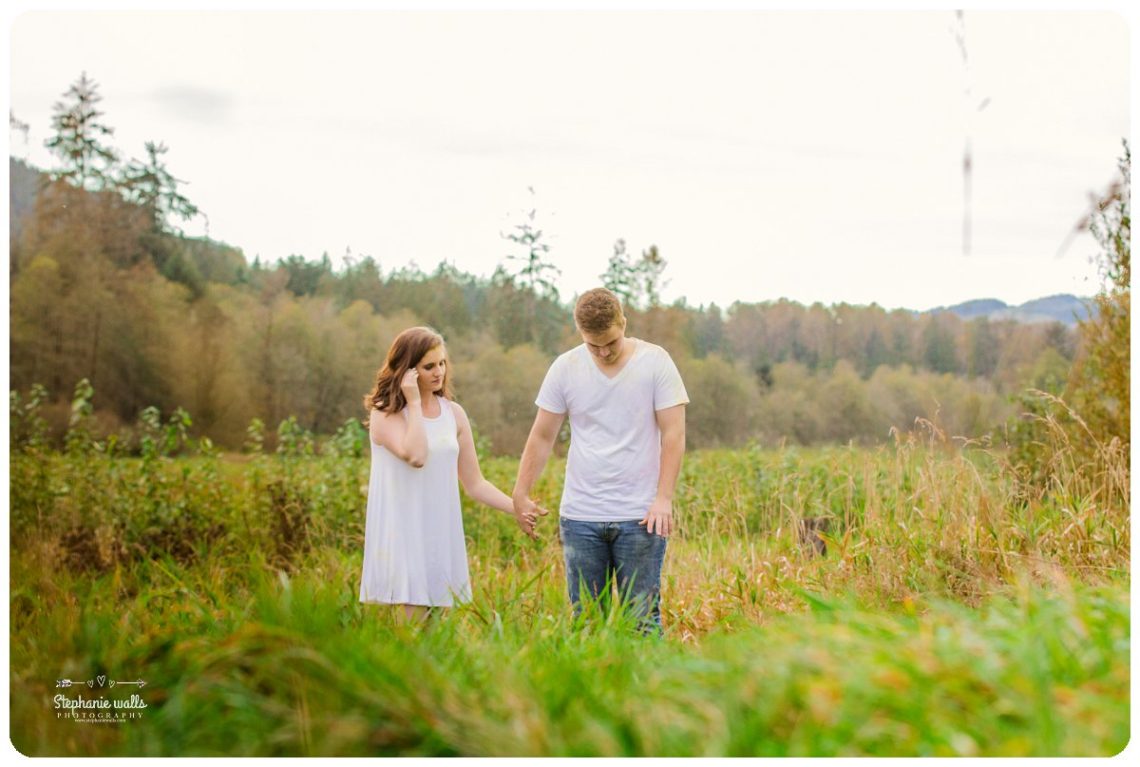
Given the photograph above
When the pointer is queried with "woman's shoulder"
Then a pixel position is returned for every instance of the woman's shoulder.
(456, 408)
(386, 416)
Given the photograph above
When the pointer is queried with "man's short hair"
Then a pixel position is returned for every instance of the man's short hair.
(597, 311)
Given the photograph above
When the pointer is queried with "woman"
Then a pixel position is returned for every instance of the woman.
(414, 553)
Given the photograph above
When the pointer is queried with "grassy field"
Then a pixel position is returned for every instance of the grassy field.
(956, 613)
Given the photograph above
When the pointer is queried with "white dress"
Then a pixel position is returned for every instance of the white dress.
(414, 550)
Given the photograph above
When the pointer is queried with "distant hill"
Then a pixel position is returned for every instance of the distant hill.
(1064, 308)
(979, 307)
(23, 183)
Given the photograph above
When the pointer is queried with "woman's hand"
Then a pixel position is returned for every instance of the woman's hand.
(410, 386)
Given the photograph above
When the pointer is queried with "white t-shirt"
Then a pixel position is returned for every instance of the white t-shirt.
(615, 445)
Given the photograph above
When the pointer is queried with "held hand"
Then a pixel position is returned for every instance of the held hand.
(526, 513)
(410, 386)
(659, 518)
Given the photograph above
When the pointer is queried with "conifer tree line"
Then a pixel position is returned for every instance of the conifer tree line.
(106, 288)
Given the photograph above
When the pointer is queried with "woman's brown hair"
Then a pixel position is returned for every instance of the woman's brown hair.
(405, 353)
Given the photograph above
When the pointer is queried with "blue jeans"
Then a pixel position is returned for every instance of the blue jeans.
(598, 554)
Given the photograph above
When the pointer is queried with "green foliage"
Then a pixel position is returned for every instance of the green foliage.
(497, 388)
(983, 627)
(294, 440)
(941, 354)
(651, 268)
(1100, 386)
(304, 277)
(350, 440)
(534, 271)
(482, 442)
(1090, 426)
(79, 439)
(637, 283)
(149, 184)
(27, 428)
(255, 437)
(78, 140)
(161, 440)
(722, 401)
(621, 276)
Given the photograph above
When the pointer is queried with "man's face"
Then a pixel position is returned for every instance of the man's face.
(606, 347)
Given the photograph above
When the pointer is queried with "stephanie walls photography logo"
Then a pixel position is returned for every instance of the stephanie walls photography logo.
(100, 700)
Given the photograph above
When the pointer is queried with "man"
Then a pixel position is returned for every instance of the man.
(626, 404)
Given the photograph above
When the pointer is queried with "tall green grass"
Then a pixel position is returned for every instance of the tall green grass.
(245, 662)
(955, 613)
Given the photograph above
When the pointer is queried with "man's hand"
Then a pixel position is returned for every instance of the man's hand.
(659, 518)
(527, 513)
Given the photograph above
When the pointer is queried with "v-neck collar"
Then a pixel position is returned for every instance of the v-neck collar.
(611, 379)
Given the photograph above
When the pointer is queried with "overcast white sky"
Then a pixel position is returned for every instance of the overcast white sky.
(809, 155)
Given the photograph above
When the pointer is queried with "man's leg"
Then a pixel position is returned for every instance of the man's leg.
(638, 556)
(587, 557)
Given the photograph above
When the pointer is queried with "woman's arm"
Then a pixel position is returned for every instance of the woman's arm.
(405, 439)
(470, 475)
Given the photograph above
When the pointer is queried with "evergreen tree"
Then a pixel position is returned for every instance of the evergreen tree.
(622, 276)
(983, 348)
(151, 185)
(534, 272)
(651, 267)
(86, 161)
(939, 353)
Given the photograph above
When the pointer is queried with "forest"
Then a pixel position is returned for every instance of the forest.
(106, 289)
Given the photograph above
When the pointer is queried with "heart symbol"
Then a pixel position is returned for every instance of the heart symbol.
(111, 683)
(101, 679)
(90, 682)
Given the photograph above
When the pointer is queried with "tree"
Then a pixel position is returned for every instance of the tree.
(360, 281)
(983, 346)
(622, 276)
(845, 409)
(1099, 385)
(535, 272)
(150, 184)
(303, 276)
(537, 294)
(637, 283)
(19, 126)
(87, 162)
(497, 387)
(706, 332)
(725, 411)
(940, 354)
(651, 267)
(90, 241)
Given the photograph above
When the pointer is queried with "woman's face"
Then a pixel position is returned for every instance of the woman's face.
(432, 369)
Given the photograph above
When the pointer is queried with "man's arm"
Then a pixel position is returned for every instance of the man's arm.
(659, 517)
(533, 461)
